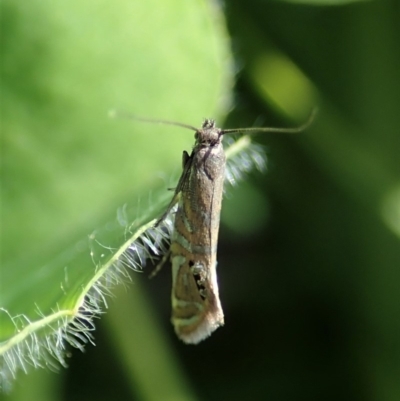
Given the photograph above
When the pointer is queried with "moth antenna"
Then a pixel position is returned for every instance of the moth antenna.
(129, 116)
(294, 130)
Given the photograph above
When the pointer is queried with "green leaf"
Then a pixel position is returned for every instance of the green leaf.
(67, 167)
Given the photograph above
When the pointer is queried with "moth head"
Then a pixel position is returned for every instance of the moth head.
(208, 134)
(208, 123)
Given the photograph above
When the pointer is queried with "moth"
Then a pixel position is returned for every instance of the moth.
(196, 306)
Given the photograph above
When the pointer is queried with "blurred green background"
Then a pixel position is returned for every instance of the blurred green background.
(309, 252)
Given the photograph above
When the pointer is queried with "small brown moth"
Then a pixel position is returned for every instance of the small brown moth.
(196, 307)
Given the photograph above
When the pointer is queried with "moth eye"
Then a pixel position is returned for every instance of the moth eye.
(191, 263)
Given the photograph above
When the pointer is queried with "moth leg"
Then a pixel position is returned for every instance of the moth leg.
(160, 265)
(187, 160)
(173, 202)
